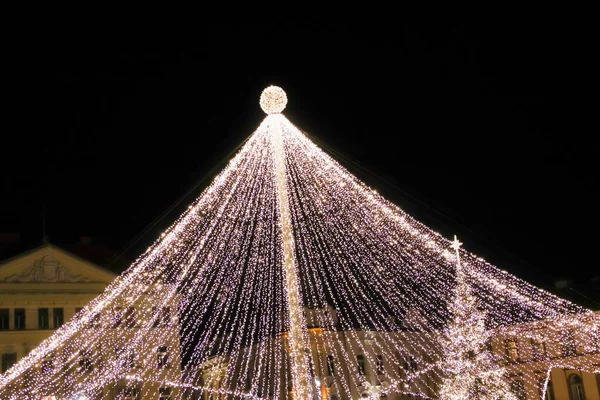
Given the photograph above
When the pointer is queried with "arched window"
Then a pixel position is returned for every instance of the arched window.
(576, 387)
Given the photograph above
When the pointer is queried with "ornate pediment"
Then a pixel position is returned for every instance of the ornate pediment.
(43, 271)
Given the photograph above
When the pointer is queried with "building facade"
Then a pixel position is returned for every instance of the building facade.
(375, 369)
(39, 291)
(43, 289)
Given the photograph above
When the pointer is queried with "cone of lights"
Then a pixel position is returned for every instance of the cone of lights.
(290, 278)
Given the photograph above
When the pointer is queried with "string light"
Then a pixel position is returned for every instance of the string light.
(273, 100)
(220, 303)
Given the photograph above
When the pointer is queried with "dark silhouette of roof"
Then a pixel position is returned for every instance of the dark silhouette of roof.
(85, 248)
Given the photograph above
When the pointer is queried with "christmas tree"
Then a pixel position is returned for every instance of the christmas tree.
(470, 371)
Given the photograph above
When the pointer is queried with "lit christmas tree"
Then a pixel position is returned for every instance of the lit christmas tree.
(218, 304)
(470, 371)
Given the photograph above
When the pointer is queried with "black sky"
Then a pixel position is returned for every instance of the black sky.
(462, 126)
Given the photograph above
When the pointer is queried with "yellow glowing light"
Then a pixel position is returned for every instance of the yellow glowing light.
(273, 100)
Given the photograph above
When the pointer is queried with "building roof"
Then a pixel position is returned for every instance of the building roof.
(86, 249)
(20, 254)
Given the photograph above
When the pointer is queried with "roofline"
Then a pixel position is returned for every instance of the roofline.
(44, 245)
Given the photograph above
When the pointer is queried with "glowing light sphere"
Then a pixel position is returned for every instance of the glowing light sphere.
(273, 100)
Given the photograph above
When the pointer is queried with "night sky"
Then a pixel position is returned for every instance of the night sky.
(461, 126)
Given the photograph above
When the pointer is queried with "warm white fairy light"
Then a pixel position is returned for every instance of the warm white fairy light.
(273, 100)
(297, 333)
(283, 227)
(468, 367)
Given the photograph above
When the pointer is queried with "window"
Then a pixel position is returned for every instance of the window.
(43, 318)
(399, 360)
(379, 365)
(94, 321)
(126, 357)
(511, 350)
(549, 395)
(129, 317)
(518, 389)
(164, 393)
(48, 364)
(162, 316)
(8, 360)
(360, 359)
(58, 317)
(166, 316)
(569, 349)
(163, 357)
(130, 393)
(4, 319)
(330, 366)
(576, 387)
(410, 364)
(85, 361)
(477, 387)
(488, 345)
(156, 321)
(538, 348)
(117, 317)
(19, 318)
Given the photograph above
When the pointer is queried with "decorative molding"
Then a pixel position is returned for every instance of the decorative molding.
(45, 270)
